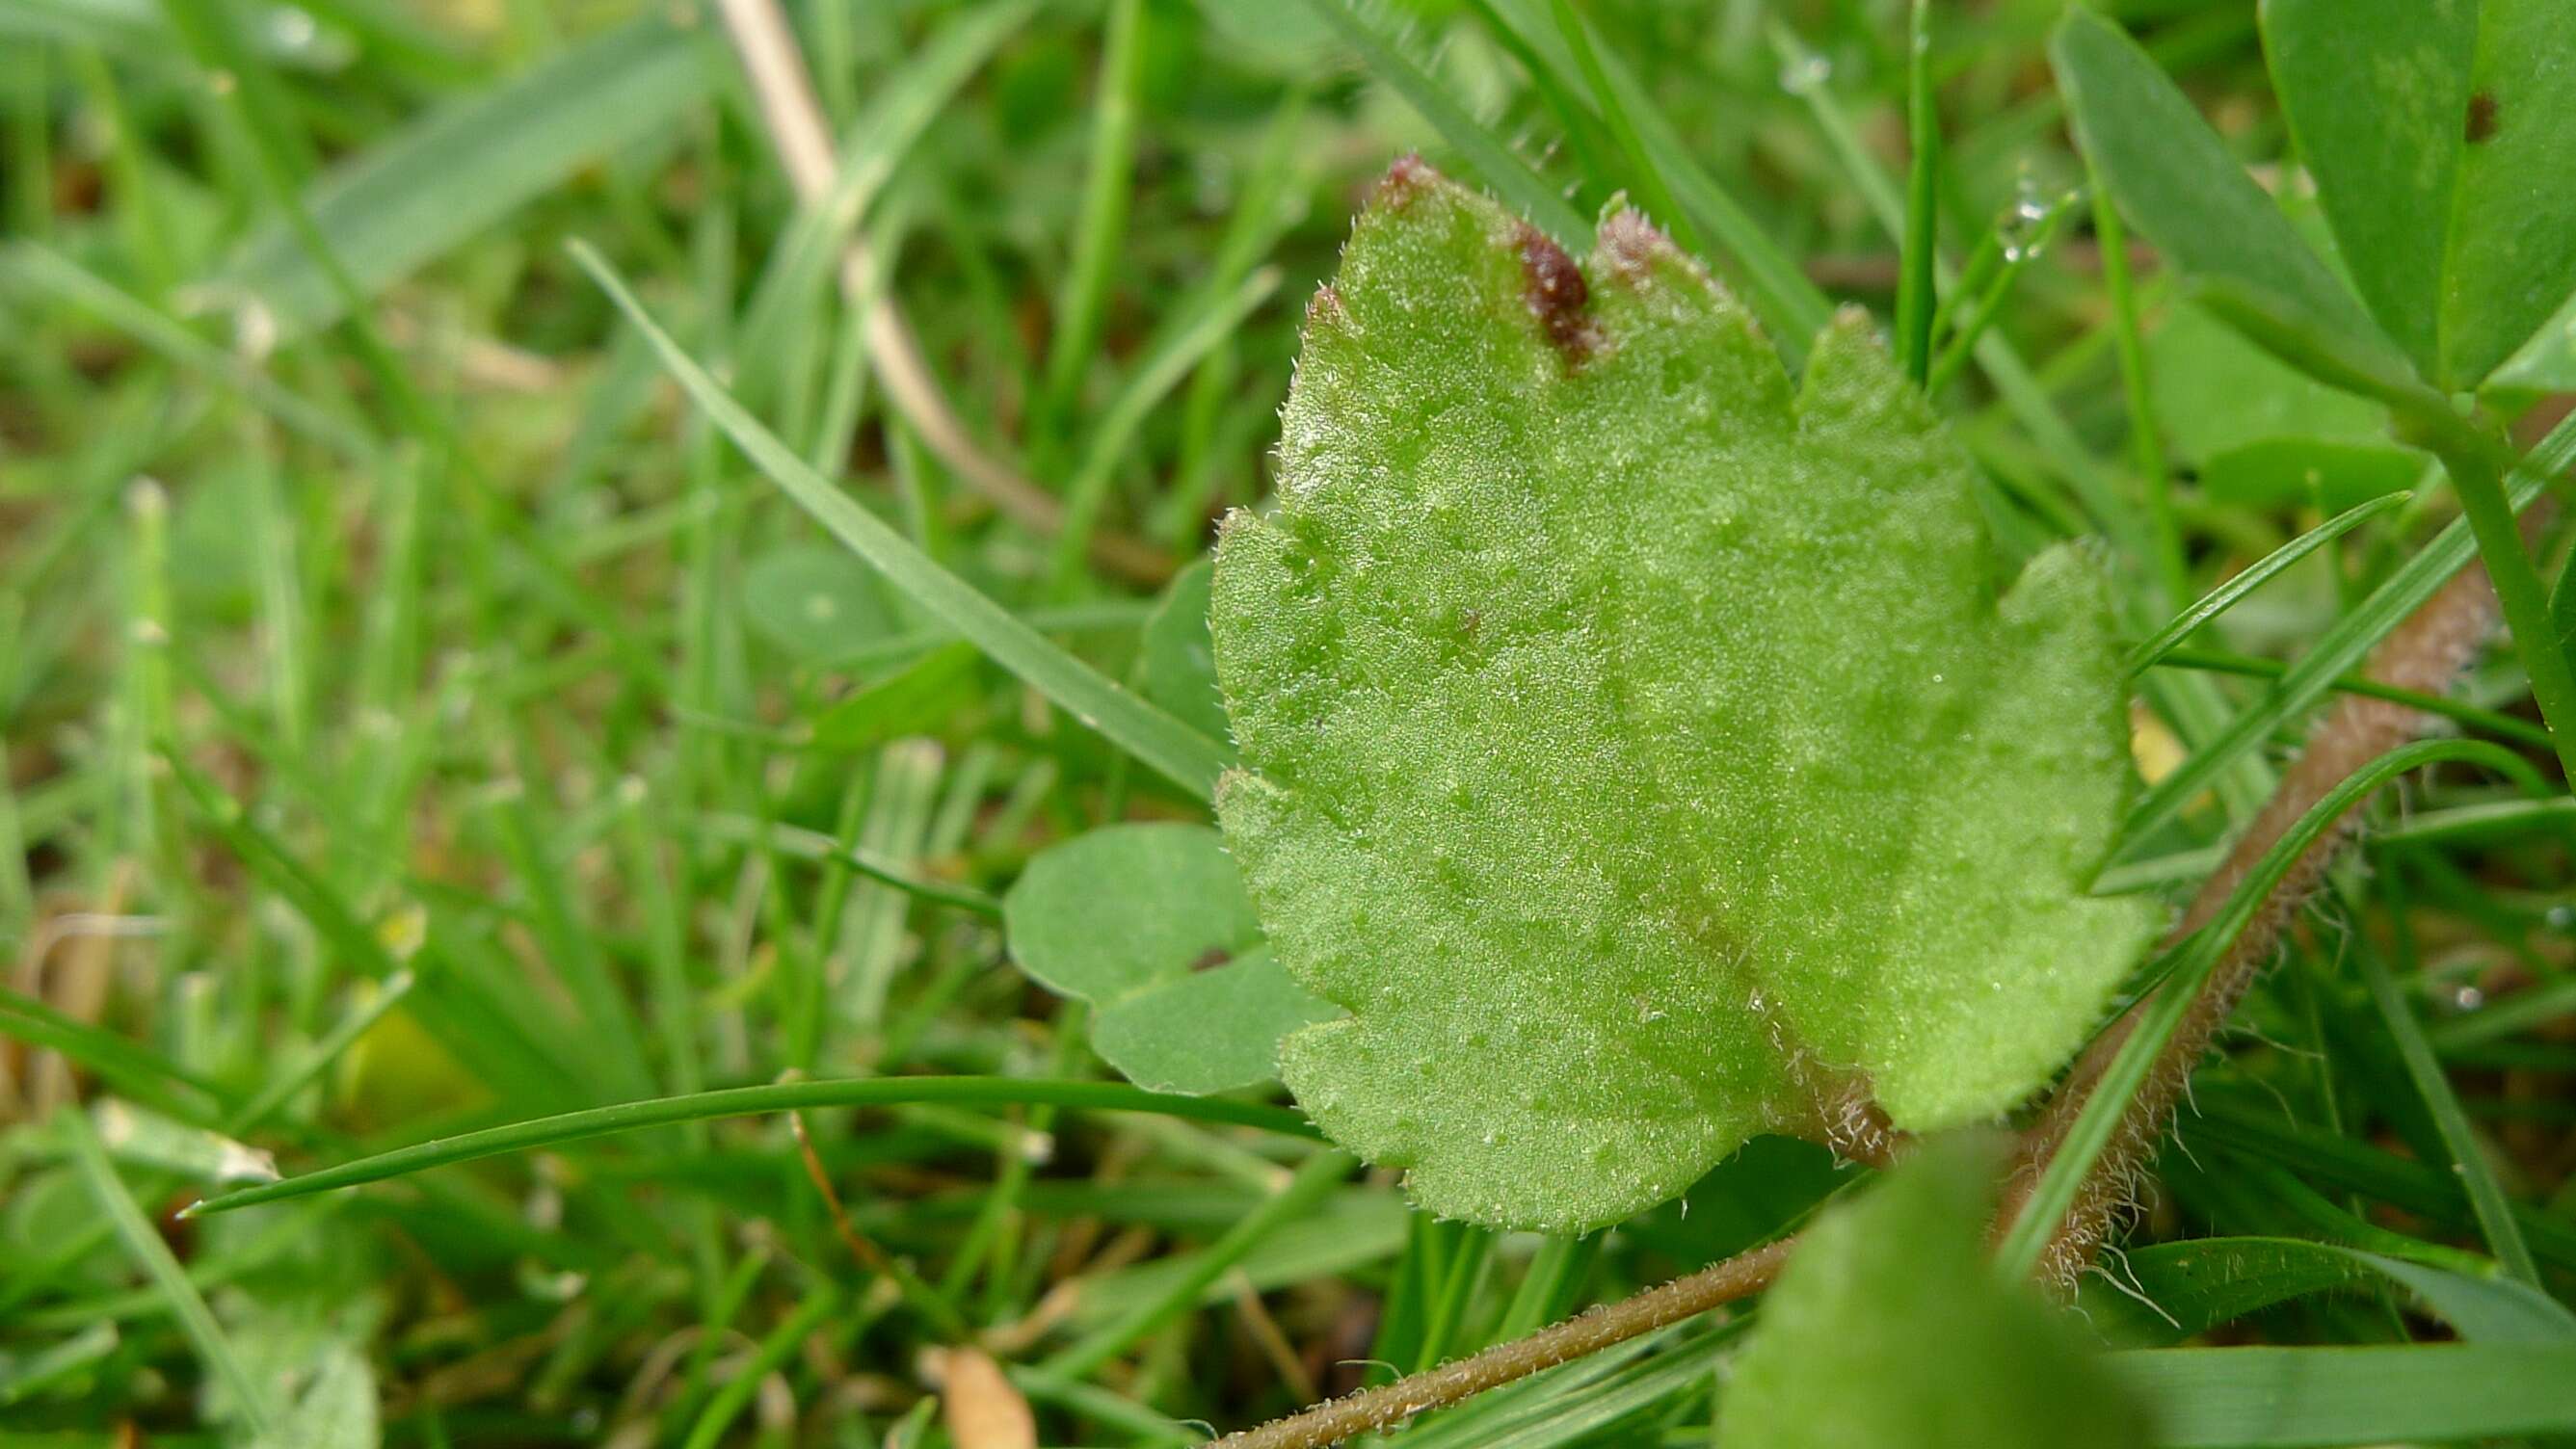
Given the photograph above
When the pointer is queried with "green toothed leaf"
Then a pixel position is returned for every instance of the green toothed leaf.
(1635, 743)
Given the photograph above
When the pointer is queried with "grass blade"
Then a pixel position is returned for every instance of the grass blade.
(1650, 177)
(1496, 164)
(2341, 647)
(1181, 754)
(2380, 1395)
(144, 1244)
(2227, 595)
(2468, 1158)
(467, 165)
(1922, 208)
(752, 1101)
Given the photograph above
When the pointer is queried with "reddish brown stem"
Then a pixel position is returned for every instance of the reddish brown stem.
(2425, 654)
(1611, 1323)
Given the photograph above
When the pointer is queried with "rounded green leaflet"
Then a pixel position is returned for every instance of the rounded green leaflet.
(1635, 744)
(815, 602)
(1149, 923)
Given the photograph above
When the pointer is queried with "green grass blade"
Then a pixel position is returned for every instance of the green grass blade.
(1364, 29)
(146, 1076)
(1660, 204)
(51, 272)
(1196, 331)
(1181, 754)
(2205, 1398)
(2468, 1157)
(1319, 1175)
(2227, 595)
(1103, 225)
(2502, 726)
(803, 844)
(1791, 307)
(464, 166)
(782, 1341)
(384, 998)
(752, 1101)
(1922, 192)
(2342, 647)
(143, 1243)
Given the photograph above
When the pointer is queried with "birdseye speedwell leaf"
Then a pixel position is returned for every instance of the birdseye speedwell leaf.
(1635, 742)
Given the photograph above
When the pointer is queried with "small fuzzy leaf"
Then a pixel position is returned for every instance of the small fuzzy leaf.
(1149, 923)
(1891, 1328)
(1635, 743)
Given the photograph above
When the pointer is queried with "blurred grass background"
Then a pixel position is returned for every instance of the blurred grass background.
(417, 718)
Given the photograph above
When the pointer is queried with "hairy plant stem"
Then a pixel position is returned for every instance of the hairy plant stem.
(1587, 1333)
(2425, 654)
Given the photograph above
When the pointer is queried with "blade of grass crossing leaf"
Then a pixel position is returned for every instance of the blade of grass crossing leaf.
(2227, 595)
(2206, 1398)
(1365, 29)
(752, 1101)
(2049, 1202)
(1179, 753)
(2342, 647)
(1922, 189)
(2468, 1157)
(153, 1256)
